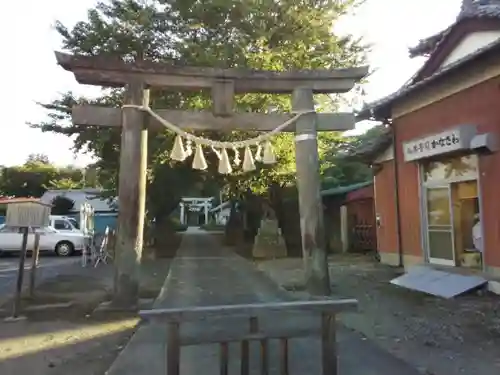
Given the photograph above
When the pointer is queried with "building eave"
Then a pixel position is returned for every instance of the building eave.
(468, 11)
(342, 190)
(425, 46)
(381, 110)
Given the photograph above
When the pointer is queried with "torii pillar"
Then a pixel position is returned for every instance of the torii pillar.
(310, 204)
(131, 189)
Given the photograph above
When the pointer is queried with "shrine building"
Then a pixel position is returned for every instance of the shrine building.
(437, 169)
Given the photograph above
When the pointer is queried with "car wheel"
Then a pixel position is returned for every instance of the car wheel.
(65, 249)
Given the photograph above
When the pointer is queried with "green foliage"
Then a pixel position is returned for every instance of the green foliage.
(258, 34)
(213, 227)
(37, 175)
(176, 225)
(37, 159)
(62, 205)
(340, 166)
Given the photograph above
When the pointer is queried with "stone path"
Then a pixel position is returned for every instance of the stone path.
(204, 274)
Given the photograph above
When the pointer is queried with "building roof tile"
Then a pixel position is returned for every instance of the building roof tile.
(469, 9)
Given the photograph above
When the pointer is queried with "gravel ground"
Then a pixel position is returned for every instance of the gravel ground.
(49, 267)
(71, 340)
(61, 347)
(438, 336)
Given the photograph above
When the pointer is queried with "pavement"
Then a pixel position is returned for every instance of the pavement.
(49, 267)
(204, 274)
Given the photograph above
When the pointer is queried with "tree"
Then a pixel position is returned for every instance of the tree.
(34, 159)
(65, 184)
(28, 180)
(37, 175)
(257, 34)
(341, 166)
(62, 205)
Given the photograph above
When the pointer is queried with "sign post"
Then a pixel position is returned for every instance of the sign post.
(25, 214)
(34, 264)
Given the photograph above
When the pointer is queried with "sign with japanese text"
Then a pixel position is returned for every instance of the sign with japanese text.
(437, 144)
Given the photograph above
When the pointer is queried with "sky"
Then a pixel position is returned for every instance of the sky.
(29, 72)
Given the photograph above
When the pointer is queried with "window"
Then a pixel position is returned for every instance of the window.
(461, 168)
(62, 225)
(74, 223)
(439, 226)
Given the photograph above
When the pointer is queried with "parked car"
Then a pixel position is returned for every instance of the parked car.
(64, 223)
(63, 243)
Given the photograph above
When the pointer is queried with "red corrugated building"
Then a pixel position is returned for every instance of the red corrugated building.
(357, 201)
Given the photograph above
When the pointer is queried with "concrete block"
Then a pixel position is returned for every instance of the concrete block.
(494, 286)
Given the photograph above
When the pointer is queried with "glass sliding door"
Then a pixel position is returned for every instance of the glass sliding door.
(440, 226)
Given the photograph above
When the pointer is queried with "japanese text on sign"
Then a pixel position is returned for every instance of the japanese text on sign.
(443, 141)
(432, 145)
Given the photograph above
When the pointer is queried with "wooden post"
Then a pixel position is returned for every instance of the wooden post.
(224, 358)
(20, 274)
(344, 228)
(223, 97)
(245, 348)
(328, 344)
(310, 205)
(173, 349)
(132, 198)
(182, 214)
(34, 265)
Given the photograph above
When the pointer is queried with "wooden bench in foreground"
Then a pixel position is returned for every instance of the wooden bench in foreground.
(327, 309)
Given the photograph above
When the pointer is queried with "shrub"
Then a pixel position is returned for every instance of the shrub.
(62, 205)
(177, 226)
(213, 227)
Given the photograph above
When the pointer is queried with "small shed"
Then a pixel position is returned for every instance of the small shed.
(26, 212)
(350, 217)
(360, 205)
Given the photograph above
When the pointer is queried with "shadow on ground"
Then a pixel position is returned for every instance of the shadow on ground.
(62, 332)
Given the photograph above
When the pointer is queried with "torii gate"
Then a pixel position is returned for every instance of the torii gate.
(138, 76)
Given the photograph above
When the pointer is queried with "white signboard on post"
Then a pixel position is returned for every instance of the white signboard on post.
(455, 139)
(27, 212)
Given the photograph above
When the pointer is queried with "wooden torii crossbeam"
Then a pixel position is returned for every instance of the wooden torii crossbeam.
(224, 84)
(138, 76)
(93, 115)
(114, 72)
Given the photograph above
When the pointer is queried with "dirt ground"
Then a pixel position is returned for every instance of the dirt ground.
(437, 336)
(69, 337)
